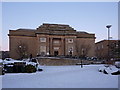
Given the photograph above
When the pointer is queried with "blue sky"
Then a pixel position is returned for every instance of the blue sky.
(91, 17)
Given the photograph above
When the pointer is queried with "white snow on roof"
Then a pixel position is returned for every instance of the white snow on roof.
(12, 61)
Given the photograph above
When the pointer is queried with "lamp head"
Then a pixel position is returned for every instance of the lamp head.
(108, 26)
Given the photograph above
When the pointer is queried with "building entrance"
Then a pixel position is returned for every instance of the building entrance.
(56, 53)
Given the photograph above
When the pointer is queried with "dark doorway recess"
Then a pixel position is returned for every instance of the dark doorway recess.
(55, 53)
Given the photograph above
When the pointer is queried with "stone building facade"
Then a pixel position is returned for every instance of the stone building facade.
(50, 39)
(102, 51)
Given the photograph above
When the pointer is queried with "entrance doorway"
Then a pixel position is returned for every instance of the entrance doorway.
(55, 53)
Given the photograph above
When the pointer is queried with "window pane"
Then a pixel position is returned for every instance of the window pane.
(42, 48)
(56, 41)
(42, 39)
(70, 40)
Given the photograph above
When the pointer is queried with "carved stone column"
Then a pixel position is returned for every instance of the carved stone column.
(48, 47)
(51, 49)
(62, 46)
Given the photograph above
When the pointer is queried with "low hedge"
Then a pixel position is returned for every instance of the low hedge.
(30, 69)
(21, 69)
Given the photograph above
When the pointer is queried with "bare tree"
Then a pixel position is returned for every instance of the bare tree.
(82, 50)
(22, 50)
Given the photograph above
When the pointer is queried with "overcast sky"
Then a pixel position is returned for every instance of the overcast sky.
(91, 17)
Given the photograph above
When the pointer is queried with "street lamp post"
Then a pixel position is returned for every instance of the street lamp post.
(108, 27)
(82, 58)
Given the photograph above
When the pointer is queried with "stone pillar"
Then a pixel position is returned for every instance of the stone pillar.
(38, 45)
(48, 47)
(51, 49)
(63, 46)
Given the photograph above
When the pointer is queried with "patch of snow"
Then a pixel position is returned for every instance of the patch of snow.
(31, 63)
(27, 60)
(101, 69)
(12, 61)
(117, 64)
(9, 59)
(62, 77)
(1, 60)
(109, 69)
(9, 65)
(39, 66)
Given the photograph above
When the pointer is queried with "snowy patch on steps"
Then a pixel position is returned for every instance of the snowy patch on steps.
(109, 70)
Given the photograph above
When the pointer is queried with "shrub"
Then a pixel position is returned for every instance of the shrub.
(9, 70)
(30, 69)
(18, 68)
(2, 72)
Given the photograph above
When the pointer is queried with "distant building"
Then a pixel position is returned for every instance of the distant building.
(51, 39)
(101, 49)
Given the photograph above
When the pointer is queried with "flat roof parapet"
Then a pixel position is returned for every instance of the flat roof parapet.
(51, 29)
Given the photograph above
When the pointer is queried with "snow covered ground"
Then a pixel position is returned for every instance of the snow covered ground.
(61, 77)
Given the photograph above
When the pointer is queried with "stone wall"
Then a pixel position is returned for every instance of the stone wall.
(30, 43)
(59, 61)
(87, 43)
